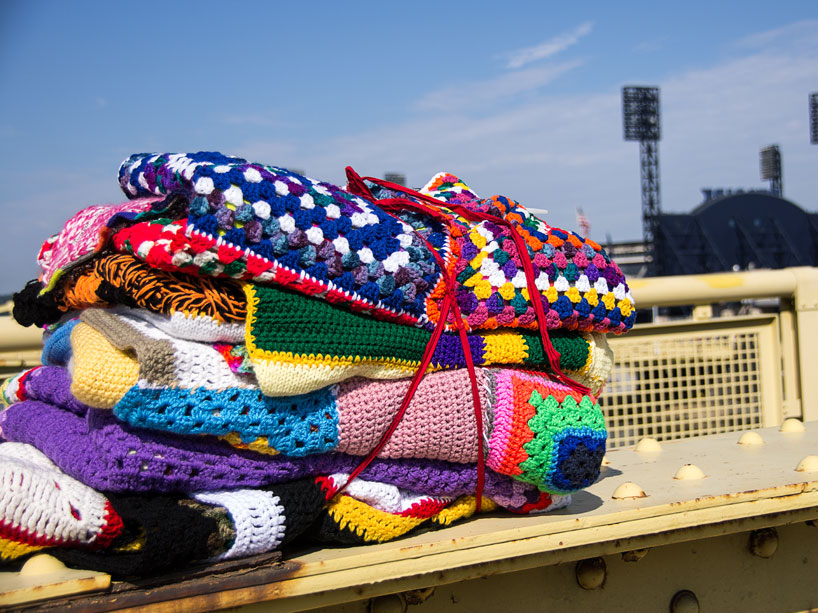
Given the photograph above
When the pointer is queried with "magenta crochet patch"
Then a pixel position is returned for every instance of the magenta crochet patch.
(82, 236)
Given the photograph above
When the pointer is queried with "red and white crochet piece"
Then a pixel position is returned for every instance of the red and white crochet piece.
(42, 506)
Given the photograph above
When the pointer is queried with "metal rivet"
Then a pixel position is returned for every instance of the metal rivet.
(591, 573)
(391, 603)
(41, 564)
(689, 471)
(647, 445)
(629, 490)
(684, 601)
(792, 425)
(764, 542)
(808, 465)
(634, 555)
(751, 438)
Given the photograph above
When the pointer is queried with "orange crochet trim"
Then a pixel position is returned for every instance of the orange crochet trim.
(81, 292)
(169, 292)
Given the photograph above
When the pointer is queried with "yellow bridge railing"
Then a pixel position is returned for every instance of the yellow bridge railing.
(707, 375)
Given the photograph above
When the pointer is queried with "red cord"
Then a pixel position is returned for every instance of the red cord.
(522, 250)
(419, 373)
(392, 206)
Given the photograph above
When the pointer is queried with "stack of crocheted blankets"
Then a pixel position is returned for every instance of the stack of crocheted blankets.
(223, 350)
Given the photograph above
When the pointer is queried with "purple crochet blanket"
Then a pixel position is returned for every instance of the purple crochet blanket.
(107, 455)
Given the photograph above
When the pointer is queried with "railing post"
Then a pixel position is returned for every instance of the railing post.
(790, 375)
(806, 317)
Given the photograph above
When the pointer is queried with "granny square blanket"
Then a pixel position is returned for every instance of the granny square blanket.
(267, 224)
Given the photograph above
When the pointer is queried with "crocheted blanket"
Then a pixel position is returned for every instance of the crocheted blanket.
(290, 355)
(40, 506)
(47, 383)
(298, 344)
(189, 326)
(57, 343)
(263, 223)
(125, 280)
(151, 542)
(85, 234)
(536, 430)
(253, 336)
(269, 224)
(99, 450)
(119, 279)
(104, 369)
(164, 532)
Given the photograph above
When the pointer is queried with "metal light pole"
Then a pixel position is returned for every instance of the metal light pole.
(640, 110)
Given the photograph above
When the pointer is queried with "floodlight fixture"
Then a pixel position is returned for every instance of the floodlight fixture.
(770, 162)
(640, 111)
(813, 118)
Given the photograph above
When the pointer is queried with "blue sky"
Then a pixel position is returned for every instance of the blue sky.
(521, 99)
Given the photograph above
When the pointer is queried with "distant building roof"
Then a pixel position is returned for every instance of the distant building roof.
(737, 231)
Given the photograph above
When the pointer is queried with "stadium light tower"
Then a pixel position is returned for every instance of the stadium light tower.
(813, 118)
(640, 111)
(771, 169)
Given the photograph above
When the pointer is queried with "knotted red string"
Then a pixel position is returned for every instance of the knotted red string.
(519, 242)
(357, 186)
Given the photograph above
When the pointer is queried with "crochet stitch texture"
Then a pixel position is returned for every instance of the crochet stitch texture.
(109, 456)
(150, 542)
(263, 223)
(259, 520)
(11, 550)
(102, 374)
(572, 273)
(83, 235)
(351, 417)
(163, 360)
(41, 506)
(128, 281)
(273, 224)
(105, 280)
(545, 433)
(298, 344)
(353, 522)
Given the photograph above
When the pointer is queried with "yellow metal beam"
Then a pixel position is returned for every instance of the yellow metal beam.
(718, 287)
(740, 488)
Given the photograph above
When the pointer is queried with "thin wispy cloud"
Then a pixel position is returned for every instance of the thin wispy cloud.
(796, 34)
(482, 94)
(553, 46)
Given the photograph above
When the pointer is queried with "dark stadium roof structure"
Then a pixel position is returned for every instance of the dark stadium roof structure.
(736, 232)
